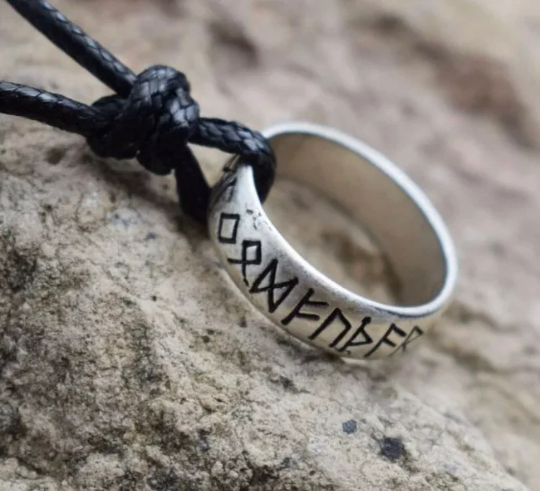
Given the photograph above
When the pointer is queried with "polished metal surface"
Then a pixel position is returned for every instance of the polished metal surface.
(299, 298)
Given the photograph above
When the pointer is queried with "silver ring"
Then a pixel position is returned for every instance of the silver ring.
(292, 293)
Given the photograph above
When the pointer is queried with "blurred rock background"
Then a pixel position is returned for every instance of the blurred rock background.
(127, 359)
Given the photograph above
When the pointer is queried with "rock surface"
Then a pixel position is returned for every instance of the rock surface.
(128, 361)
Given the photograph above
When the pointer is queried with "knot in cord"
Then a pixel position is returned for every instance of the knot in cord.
(153, 124)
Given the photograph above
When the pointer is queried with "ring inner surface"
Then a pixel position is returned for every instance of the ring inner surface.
(377, 202)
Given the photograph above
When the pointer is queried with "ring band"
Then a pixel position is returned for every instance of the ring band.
(300, 299)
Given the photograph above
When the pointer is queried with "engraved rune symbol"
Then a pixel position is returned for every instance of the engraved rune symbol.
(269, 274)
(305, 301)
(337, 315)
(386, 339)
(352, 342)
(415, 333)
(228, 228)
(251, 256)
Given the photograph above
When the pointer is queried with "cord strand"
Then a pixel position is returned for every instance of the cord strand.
(49, 108)
(78, 45)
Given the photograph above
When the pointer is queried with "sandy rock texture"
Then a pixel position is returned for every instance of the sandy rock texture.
(127, 359)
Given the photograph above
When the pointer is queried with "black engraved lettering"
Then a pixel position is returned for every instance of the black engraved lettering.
(270, 274)
(305, 302)
(352, 342)
(228, 228)
(386, 339)
(335, 314)
(251, 256)
(415, 333)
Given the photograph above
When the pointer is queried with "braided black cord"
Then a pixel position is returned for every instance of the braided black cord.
(152, 116)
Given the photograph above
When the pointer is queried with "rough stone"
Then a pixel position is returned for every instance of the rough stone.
(127, 359)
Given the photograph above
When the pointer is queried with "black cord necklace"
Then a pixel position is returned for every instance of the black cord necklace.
(152, 116)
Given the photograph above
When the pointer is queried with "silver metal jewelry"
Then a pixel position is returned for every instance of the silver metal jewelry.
(300, 299)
